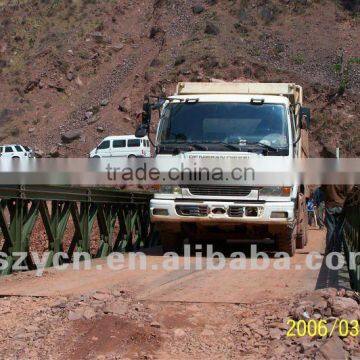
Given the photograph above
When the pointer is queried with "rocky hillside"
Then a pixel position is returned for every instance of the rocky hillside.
(74, 71)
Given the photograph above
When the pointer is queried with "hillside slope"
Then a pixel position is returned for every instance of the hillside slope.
(85, 65)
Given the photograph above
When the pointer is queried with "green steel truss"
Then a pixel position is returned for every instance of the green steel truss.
(121, 217)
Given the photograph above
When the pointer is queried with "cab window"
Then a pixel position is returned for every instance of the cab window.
(104, 145)
(8, 149)
(134, 143)
(18, 148)
(119, 143)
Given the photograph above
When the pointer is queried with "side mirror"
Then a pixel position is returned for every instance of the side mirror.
(305, 117)
(142, 131)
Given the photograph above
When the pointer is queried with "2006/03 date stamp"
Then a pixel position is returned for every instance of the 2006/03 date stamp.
(322, 328)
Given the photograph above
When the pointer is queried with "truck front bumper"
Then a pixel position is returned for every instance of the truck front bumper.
(222, 212)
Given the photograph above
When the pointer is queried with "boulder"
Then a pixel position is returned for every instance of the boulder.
(70, 136)
(88, 115)
(333, 349)
(100, 38)
(116, 308)
(70, 75)
(125, 105)
(180, 60)
(54, 152)
(198, 9)
(211, 29)
(104, 102)
(340, 305)
(117, 47)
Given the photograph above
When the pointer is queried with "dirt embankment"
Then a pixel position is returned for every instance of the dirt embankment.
(112, 325)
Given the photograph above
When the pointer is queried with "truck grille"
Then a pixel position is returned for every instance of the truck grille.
(192, 210)
(211, 190)
(236, 211)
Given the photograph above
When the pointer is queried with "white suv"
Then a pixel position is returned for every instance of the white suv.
(119, 146)
(15, 151)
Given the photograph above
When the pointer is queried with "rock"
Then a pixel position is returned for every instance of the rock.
(70, 76)
(92, 120)
(207, 332)
(328, 293)
(155, 63)
(333, 349)
(38, 153)
(31, 85)
(70, 136)
(241, 28)
(88, 115)
(125, 105)
(76, 314)
(211, 29)
(102, 296)
(341, 305)
(267, 14)
(155, 30)
(104, 102)
(54, 152)
(89, 313)
(3, 63)
(117, 47)
(180, 60)
(78, 82)
(197, 9)
(31, 130)
(275, 333)
(179, 333)
(100, 129)
(155, 324)
(116, 308)
(100, 38)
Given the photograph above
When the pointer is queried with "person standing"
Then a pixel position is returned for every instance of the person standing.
(319, 201)
(335, 196)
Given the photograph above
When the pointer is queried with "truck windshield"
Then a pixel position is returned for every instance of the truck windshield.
(224, 123)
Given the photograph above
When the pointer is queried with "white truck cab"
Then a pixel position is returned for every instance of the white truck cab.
(231, 120)
(122, 146)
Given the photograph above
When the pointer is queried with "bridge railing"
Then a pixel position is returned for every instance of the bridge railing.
(351, 235)
(106, 220)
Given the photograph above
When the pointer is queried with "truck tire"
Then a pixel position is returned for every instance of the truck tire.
(171, 241)
(286, 241)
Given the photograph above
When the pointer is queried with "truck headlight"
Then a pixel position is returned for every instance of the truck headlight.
(284, 191)
(170, 189)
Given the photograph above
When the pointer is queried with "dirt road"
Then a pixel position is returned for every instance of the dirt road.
(198, 313)
(191, 284)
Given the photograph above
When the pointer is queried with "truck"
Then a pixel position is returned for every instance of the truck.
(230, 119)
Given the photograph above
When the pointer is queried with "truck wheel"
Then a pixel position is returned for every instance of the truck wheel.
(171, 241)
(286, 242)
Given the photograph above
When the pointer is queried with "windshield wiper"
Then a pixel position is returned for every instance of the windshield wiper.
(227, 145)
(188, 146)
(265, 146)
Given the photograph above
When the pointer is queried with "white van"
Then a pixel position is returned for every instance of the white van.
(15, 151)
(118, 146)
